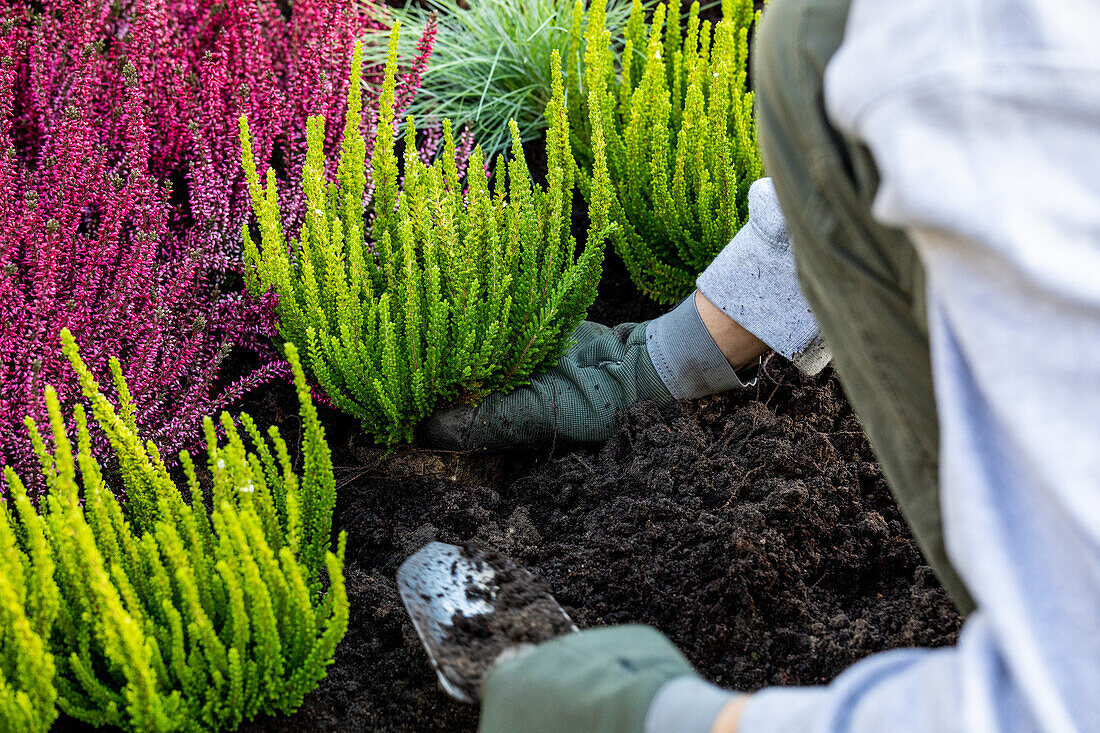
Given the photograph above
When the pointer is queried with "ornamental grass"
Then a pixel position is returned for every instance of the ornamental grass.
(491, 62)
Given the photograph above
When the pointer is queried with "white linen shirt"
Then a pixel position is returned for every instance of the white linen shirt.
(983, 117)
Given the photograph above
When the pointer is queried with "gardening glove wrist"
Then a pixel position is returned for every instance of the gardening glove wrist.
(686, 357)
(753, 281)
(606, 371)
(622, 679)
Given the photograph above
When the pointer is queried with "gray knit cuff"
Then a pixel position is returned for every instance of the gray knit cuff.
(685, 356)
(686, 705)
(754, 282)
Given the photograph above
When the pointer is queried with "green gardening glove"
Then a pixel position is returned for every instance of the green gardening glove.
(607, 370)
(621, 679)
(753, 280)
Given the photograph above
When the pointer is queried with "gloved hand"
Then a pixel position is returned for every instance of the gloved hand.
(753, 281)
(603, 373)
(621, 679)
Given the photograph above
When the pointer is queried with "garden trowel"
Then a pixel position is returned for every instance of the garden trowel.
(446, 589)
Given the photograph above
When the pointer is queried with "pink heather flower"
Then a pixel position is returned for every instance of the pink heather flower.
(83, 225)
(122, 195)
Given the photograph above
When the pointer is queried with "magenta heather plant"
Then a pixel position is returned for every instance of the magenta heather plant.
(279, 70)
(81, 227)
(204, 63)
(123, 196)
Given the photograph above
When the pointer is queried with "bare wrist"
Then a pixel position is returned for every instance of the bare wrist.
(739, 346)
(729, 717)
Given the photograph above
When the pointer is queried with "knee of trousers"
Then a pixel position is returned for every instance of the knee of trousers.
(824, 182)
(793, 45)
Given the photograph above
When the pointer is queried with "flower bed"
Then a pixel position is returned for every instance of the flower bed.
(754, 529)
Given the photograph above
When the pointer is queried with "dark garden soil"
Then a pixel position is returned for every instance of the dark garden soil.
(753, 528)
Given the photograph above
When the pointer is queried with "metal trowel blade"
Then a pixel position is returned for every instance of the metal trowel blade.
(435, 584)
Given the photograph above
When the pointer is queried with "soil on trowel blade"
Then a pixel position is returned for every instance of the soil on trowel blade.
(753, 528)
(524, 612)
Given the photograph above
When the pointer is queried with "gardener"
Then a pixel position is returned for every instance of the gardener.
(937, 164)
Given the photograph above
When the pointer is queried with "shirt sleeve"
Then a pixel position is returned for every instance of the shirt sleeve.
(983, 117)
(753, 280)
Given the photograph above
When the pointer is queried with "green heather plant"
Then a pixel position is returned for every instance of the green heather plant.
(173, 610)
(491, 62)
(681, 139)
(29, 603)
(434, 295)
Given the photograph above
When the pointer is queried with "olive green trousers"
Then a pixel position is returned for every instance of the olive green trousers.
(864, 281)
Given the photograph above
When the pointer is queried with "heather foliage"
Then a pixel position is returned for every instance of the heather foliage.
(82, 226)
(681, 140)
(491, 63)
(29, 604)
(166, 612)
(429, 296)
(277, 72)
(122, 196)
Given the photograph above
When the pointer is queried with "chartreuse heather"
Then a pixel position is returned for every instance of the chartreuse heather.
(29, 603)
(681, 140)
(162, 614)
(437, 294)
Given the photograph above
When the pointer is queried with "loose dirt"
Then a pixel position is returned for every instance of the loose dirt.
(754, 529)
